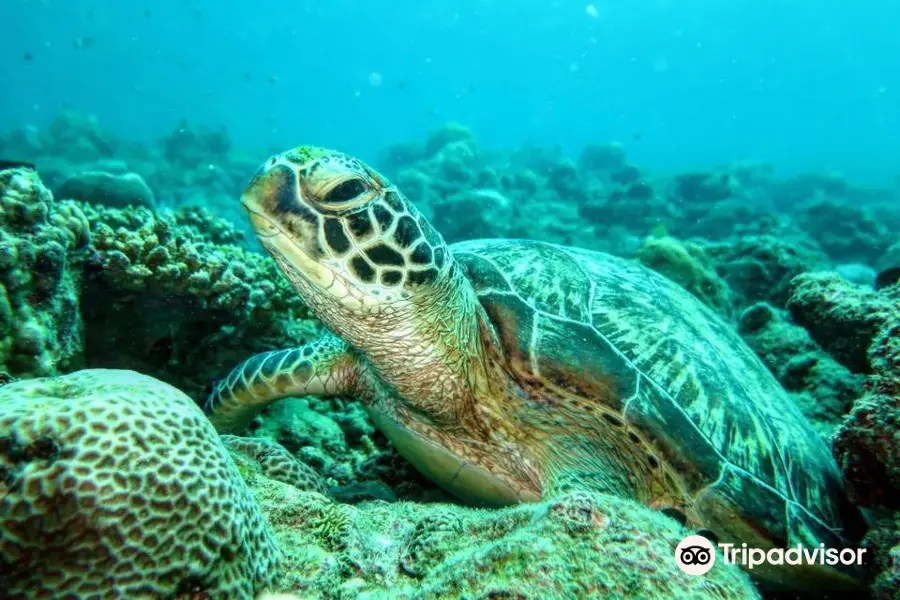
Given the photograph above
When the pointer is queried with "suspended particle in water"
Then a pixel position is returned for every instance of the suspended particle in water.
(591, 11)
(83, 43)
(375, 78)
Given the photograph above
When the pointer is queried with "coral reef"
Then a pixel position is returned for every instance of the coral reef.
(111, 189)
(115, 485)
(861, 328)
(40, 326)
(868, 448)
(577, 545)
(191, 166)
(476, 213)
(189, 147)
(108, 274)
(884, 543)
(841, 317)
(846, 232)
(178, 297)
(823, 388)
(687, 264)
(868, 445)
(602, 157)
(174, 295)
(760, 268)
(198, 165)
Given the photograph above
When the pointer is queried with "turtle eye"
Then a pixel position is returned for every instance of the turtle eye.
(345, 191)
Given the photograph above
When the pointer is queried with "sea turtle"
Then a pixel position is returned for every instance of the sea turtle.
(508, 370)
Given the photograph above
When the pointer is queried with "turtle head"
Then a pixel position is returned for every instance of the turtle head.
(341, 232)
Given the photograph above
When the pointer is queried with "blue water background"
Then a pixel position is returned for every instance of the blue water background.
(806, 85)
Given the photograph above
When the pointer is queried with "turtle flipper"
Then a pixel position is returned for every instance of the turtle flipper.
(325, 367)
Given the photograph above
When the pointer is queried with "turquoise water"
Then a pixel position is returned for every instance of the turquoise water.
(458, 299)
(804, 85)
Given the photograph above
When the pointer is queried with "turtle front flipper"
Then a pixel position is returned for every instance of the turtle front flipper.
(325, 367)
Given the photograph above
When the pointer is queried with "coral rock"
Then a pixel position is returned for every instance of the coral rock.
(602, 157)
(868, 444)
(688, 265)
(868, 451)
(119, 190)
(824, 389)
(841, 317)
(115, 485)
(578, 545)
(760, 268)
(884, 543)
(40, 325)
(847, 233)
(446, 135)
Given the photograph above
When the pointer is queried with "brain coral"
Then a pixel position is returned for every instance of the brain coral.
(114, 485)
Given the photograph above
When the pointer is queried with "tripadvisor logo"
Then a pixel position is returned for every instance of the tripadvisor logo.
(696, 555)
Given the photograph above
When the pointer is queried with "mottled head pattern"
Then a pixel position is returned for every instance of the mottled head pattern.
(333, 221)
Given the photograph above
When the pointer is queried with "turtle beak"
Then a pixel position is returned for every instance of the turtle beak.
(264, 191)
(262, 225)
(270, 200)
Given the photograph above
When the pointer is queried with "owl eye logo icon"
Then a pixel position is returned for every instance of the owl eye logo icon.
(695, 555)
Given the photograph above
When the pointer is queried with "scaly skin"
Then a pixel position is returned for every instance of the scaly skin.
(324, 367)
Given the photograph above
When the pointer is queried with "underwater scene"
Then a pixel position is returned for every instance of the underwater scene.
(450, 299)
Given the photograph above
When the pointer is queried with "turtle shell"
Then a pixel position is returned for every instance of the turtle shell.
(615, 334)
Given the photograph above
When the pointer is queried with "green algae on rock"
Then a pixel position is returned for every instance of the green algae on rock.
(115, 485)
(41, 331)
(578, 545)
(841, 317)
(688, 265)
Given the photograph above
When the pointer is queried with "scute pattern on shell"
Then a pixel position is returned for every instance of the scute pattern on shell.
(674, 370)
(116, 486)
